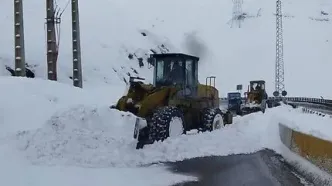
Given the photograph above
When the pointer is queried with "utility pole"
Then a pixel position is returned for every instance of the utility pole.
(19, 39)
(52, 49)
(77, 66)
(279, 65)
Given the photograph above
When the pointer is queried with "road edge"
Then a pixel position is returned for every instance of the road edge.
(315, 151)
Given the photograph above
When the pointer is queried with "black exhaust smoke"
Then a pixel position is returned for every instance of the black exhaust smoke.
(195, 46)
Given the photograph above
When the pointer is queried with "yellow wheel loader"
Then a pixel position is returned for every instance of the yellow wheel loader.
(175, 103)
(256, 99)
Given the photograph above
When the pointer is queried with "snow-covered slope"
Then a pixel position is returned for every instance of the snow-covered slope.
(112, 30)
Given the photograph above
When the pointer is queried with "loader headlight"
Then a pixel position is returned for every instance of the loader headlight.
(139, 124)
(138, 106)
(129, 100)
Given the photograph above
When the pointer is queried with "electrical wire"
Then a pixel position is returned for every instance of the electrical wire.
(65, 7)
(57, 14)
(57, 32)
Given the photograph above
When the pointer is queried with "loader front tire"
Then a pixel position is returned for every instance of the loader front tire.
(166, 122)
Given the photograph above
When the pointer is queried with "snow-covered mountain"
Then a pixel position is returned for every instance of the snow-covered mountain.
(112, 31)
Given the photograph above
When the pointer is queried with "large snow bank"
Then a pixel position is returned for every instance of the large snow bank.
(100, 137)
(82, 135)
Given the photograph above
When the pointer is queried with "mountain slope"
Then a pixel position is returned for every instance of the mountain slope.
(113, 30)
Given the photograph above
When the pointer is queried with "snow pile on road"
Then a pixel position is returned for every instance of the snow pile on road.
(83, 136)
(100, 137)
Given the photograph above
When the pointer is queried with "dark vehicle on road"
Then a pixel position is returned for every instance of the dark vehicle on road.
(234, 102)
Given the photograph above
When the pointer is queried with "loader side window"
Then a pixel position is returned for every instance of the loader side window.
(189, 73)
(160, 70)
(263, 87)
(196, 72)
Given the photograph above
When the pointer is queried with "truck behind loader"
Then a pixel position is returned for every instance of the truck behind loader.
(256, 99)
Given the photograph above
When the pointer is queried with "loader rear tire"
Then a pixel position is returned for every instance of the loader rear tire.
(212, 119)
(166, 122)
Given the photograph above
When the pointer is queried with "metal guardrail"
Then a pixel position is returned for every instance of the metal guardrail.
(326, 102)
(310, 111)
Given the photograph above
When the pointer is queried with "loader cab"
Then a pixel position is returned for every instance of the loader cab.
(176, 69)
(257, 85)
(257, 91)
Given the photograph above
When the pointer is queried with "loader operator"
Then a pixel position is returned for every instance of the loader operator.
(258, 87)
(175, 73)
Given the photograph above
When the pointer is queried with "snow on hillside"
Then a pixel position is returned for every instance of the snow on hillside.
(38, 99)
(113, 31)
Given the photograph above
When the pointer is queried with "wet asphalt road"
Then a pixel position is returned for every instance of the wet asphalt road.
(264, 168)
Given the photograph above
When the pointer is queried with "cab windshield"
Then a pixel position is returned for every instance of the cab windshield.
(234, 95)
(170, 72)
(257, 86)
